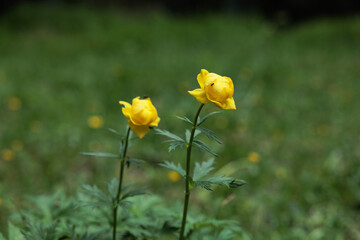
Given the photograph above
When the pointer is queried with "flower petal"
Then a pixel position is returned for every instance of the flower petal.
(140, 131)
(155, 123)
(201, 77)
(230, 104)
(200, 95)
(126, 109)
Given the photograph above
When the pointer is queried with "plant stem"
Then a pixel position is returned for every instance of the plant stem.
(122, 166)
(187, 179)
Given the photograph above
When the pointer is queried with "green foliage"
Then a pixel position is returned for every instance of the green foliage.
(100, 154)
(202, 146)
(203, 119)
(185, 119)
(174, 140)
(146, 217)
(177, 168)
(201, 170)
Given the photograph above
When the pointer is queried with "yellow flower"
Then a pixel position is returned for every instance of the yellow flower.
(253, 157)
(95, 122)
(7, 155)
(141, 114)
(174, 176)
(214, 88)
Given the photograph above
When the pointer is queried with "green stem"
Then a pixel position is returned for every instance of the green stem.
(122, 166)
(187, 179)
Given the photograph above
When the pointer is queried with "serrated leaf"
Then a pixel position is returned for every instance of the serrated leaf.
(168, 134)
(203, 119)
(134, 161)
(100, 154)
(203, 169)
(133, 193)
(172, 166)
(96, 193)
(112, 188)
(174, 144)
(210, 134)
(185, 119)
(202, 146)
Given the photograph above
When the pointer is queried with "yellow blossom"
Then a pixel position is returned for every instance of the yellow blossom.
(17, 145)
(7, 155)
(141, 114)
(214, 88)
(95, 122)
(14, 103)
(253, 157)
(174, 176)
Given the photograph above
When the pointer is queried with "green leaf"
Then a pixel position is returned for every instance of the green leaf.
(203, 169)
(185, 119)
(174, 144)
(115, 132)
(14, 232)
(210, 134)
(172, 166)
(100, 154)
(133, 193)
(95, 193)
(112, 188)
(202, 146)
(203, 119)
(168, 134)
(134, 161)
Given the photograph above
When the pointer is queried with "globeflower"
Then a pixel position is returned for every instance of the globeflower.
(214, 88)
(141, 114)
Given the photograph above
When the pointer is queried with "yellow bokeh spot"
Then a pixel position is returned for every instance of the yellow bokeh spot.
(174, 176)
(14, 103)
(7, 155)
(322, 130)
(1, 201)
(95, 122)
(36, 126)
(253, 157)
(17, 145)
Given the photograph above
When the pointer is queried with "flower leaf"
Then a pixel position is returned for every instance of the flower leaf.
(203, 169)
(210, 134)
(202, 146)
(172, 166)
(168, 134)
(185, 119)
(203, 119)
(100, 154)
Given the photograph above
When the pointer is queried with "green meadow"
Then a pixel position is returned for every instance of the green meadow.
(294, 136)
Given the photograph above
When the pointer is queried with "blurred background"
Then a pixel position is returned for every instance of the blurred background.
(64, 65)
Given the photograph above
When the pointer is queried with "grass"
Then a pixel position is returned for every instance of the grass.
(295, 89)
